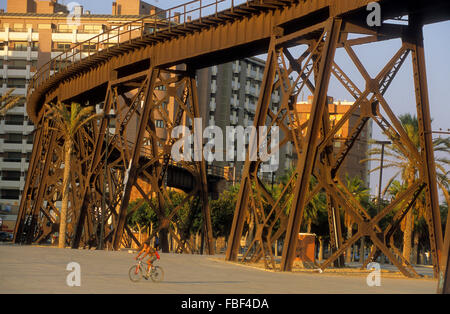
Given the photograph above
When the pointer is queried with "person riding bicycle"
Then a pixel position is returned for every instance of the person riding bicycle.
(152, 252)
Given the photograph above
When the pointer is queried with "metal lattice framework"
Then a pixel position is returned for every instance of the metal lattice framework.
(147, 71)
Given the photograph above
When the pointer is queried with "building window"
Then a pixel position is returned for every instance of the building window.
(64, 28)
(14, 119)
(10, 175)
(20, 28)
(30, 138)
(92, 29)
(13, 138)
(12, 157)
(7, 194)
(17, 64)
(159, 123)
(87, 47)
(20, 45)
(61, 46)
(35, 46)
(16, 82)
(161, 87)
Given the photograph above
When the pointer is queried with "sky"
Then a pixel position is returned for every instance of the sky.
(400, 95)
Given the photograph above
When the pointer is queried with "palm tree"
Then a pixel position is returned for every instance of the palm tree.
(408, 172)
(8, 102)
(68, 123)
(360, 193)
(317, 204)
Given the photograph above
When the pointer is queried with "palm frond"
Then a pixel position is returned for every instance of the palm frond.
(391, 180)
(10, 101)
(6, 95)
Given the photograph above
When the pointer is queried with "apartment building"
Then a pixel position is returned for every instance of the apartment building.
(228, 95)
(31, 33)
(352, 165)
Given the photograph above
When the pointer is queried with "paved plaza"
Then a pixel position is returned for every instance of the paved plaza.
(30, 269)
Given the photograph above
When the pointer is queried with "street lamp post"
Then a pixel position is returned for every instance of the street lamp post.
(382, 143)
(273, 172)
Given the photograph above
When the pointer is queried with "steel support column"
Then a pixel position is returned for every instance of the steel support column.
(131, 175)
(95, 159)
(28, 188)
(307, 159)
(444, 275)
(201, 166)
(250, 166)
(428, 169)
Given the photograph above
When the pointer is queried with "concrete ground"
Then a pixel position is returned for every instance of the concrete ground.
(29, 269)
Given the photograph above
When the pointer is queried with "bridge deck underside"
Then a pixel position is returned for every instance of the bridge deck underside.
(244, 34)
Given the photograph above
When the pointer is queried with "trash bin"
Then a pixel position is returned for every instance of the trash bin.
(306, 249)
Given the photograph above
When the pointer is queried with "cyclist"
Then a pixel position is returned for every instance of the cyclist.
(152, 253)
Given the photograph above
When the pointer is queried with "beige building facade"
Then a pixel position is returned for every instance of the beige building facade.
(31, 33)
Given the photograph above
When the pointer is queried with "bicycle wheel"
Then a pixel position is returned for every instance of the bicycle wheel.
(157, 274)
(135, 273)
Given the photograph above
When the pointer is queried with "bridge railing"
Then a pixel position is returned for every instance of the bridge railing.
(176, 17)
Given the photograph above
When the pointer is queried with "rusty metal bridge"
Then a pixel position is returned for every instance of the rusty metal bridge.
(146, 72)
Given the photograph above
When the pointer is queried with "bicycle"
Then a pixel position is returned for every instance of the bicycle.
(139, 271)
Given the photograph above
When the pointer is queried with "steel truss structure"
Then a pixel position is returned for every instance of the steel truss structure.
(318, 156)
(130, 154)
(139, 77)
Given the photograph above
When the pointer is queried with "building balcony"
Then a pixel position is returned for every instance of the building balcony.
(259, 74)
(6, 183)
(11, 165)
(110, 40)
(16, 72)
(251, 73)
(11, 146)
(253, 91)
(64, 37)
(8, 128)
(19, 54)
(234, 102)
(235, 85)
(22, 35)
(236, 67)
(276, 98)
(250, 107)
(213, 87)
(234, 118)
(11, 201)
(21, 91)
(80, 37)
(212, 105)
(15, 110)
(214, 70)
